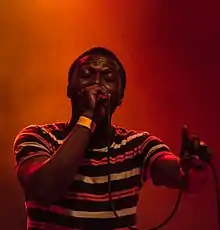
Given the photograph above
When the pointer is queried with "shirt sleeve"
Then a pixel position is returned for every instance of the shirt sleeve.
(28, 143)
(151, 149)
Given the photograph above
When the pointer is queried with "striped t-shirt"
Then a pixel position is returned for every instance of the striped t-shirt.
(86, 204)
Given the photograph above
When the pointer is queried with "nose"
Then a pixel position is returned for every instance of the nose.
(98, 79)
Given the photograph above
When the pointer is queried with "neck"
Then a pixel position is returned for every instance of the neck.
(100, 137)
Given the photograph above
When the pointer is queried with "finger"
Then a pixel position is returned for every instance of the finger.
(196, 142)
(104, 90)
(197, 163)
(100, 89)
(93, 89)
(101, 92)
(202, 143)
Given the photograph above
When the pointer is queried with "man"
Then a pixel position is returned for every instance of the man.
(65, 168)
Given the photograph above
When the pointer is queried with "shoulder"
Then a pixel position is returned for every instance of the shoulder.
(125, 134)
(39, 130)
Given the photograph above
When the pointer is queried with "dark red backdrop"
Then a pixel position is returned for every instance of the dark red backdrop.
(171, 52)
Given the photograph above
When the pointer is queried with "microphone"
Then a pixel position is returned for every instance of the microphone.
(192, 146)
(102, 98)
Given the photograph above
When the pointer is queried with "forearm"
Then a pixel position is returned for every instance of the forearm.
(173, 172)
(52, 178)
(167, 171)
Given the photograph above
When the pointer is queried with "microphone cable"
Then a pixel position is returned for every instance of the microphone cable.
(217, 193)
(179, 196)
(111, 202)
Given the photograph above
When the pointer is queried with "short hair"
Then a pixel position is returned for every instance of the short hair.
(102, 51)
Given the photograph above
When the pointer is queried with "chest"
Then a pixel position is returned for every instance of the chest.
(122, 169)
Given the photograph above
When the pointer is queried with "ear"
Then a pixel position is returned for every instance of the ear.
(120, 99)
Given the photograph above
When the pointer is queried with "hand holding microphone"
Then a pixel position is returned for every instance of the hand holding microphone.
(93, 101)
(194, 158)
(193, 147)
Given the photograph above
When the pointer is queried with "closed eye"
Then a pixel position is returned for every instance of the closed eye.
(86, 73)
(110, 76)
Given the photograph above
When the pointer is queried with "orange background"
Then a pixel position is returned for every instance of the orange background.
(170, 50)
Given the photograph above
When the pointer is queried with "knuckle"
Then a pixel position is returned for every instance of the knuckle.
(202, 143)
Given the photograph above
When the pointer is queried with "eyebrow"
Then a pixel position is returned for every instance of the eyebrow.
(107, 68)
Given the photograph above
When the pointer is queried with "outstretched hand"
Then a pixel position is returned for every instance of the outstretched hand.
(194, 156)
(192, 147)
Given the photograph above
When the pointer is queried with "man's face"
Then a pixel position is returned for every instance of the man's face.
(101, 70)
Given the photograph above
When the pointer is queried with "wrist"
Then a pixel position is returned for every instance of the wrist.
(87, 123)
(89, 114)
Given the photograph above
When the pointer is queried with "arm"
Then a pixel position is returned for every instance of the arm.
(166, 169)
(171, 171)
(46, 179)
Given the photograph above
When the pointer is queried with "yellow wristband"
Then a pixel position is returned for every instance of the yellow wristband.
(86, 122)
